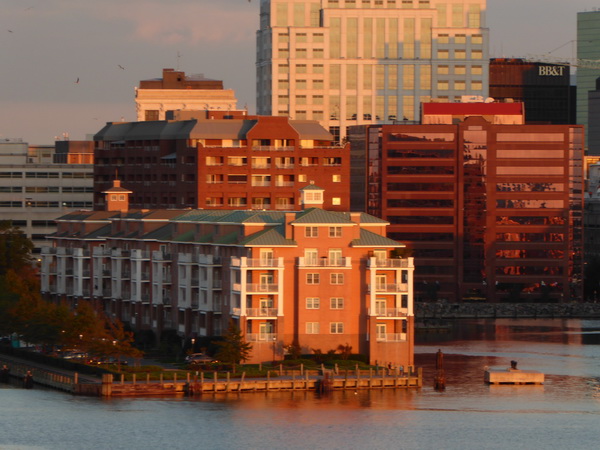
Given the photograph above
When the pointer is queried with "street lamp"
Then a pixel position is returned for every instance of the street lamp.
(193, 345)
(274, 343)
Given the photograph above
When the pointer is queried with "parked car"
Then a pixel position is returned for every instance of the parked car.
(199, 358)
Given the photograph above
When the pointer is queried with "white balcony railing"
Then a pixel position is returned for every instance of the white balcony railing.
(261, 312)
(388, 312)
(256, 262)
(261, 337)
(388, 263)
(391, 337)
(391, 288)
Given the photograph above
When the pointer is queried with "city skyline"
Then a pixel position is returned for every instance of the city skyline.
(70, 67)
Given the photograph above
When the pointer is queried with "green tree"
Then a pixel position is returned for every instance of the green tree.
(233, 348)
(15, 248)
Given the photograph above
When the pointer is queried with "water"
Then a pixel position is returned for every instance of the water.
(564, 413)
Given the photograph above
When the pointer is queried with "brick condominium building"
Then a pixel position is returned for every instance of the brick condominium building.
(314, 277)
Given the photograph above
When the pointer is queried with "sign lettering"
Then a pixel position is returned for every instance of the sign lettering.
(551, 71)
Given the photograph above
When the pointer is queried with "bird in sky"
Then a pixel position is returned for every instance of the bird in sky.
(10, 31)
(121, 67)
(77, 81)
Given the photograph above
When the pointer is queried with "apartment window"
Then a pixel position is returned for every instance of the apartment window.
(9, 204)
(460, 39)
(459, 85)
(312, 328)
(336, 327)
(442, 85)
(336, 201)
(336, 278)
(477, 70)
(460, 70)
(476, 85)
(312, 278)
(335, 232)
(477, 39)
(460, 54)
(336, 178)
(443, 54)
(311, 232)
(301, 84)
(336, 303)
(302, 178)
(301, 68)
(11, 174)
(284, 68)
(318, 68)
(11, 189)
(476, 54)
(41, 189)
(443, 70)
(313, 302)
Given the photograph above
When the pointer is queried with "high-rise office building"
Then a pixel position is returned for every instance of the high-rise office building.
(490, 208)
(349, 62)
(544, 88)
(588, 48)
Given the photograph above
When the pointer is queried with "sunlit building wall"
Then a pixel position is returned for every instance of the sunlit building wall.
(492, 212)
(347, 62)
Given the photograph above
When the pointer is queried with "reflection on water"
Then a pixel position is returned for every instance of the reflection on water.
(468, 414)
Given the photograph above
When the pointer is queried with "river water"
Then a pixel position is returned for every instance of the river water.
(563, 413)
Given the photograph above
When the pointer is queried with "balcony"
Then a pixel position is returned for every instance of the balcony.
(272, 148)
(257, 262)
(284, 184)
(375, 263)
(388, 312)
(262, 287)
(261, 183)
(391, 337)
(284, 166)
(261, 337)
(389, 288)
(325, 262)
(261, 312)
(284, 206)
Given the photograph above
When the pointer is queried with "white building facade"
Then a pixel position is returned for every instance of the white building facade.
(349, 62)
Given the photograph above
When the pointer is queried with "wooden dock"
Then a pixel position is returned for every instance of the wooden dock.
(199, 383)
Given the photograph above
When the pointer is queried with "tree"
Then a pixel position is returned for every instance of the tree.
(15, 248)
(115, 342)
(233, 348)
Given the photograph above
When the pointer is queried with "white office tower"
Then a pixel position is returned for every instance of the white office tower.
(350, 62)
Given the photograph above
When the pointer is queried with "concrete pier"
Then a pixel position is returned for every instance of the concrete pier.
(513, 376)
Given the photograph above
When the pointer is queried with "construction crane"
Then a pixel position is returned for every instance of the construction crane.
(571, 62)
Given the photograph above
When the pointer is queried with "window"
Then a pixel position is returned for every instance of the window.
(336, 303)
(336, 178)
(335, 256)
(336, 327)
(311, 232)
(335, 231)
(381, 330)
(336, 201)
(311, 257)
(302, 178)
(313, 303)
(312, 328)
(336, 278)
(312, 278)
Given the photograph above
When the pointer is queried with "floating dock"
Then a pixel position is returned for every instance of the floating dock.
(513, 376)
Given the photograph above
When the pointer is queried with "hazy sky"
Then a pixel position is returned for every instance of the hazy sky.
(47, 45)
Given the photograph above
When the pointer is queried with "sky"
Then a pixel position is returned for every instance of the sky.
(70, 66)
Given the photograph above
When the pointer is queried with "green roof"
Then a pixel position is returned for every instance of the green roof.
(317, 215)
(370, 239)
(269, 237)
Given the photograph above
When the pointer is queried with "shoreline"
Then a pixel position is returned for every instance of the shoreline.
(447, 311)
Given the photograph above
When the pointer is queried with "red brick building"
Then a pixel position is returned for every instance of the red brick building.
(491, 211)
(221, 160)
